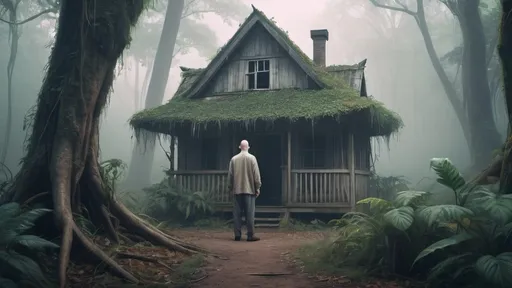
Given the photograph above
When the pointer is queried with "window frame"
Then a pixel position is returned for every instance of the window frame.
(257, 71)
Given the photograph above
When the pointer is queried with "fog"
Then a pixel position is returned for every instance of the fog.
(399, 73)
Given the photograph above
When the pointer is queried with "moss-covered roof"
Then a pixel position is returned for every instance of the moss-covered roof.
(335, 98)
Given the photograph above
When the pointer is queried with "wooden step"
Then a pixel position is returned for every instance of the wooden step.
(266, 225)
(267, 219)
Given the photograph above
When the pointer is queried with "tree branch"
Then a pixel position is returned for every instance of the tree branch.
(50, 10)
(403, 8)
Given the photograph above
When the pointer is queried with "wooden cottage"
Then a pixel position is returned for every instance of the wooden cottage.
(308, 125)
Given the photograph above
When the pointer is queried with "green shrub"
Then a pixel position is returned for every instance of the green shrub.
(479, 250)
(466, 243)
(168, 201)
(19, 249)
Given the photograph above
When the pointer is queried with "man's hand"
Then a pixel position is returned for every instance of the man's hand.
(257, 193)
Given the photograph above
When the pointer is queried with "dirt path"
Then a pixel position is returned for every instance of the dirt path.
(243, 258)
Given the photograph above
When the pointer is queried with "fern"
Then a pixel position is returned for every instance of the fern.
(16, 267)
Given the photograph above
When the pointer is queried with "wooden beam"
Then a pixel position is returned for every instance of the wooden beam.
(351, 167)
(289, 168)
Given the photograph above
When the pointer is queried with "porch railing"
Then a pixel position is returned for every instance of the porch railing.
(214, 182)
(320, 186)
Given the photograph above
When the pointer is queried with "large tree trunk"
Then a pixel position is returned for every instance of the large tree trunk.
(62, 157)
(505, 51)
(139, 173)
(481, 138)
(484, 136)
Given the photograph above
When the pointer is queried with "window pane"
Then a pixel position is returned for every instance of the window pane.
(261, 65)
(263, 80)
(250, 80)
(252, 65)
(267, 65)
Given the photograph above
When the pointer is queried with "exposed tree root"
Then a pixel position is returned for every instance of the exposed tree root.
(123, 255)
(62, 153)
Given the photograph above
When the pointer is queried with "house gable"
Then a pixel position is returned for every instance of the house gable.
(227, 53)
(259, 62)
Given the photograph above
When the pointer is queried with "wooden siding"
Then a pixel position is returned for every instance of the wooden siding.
(258, 45)
(334, 152)
(327, 186)
(190, 152)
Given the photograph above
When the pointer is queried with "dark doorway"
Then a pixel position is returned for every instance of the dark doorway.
(267, 149)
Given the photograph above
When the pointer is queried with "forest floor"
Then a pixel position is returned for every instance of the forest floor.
(270, 262)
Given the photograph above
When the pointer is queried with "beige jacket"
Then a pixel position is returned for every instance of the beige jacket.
(244, 174)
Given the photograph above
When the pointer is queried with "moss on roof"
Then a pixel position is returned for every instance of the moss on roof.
(269, 106)
(337, 100)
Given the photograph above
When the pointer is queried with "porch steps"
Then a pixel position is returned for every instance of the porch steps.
(266, 220)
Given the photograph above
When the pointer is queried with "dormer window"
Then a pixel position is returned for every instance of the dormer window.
(258, 76)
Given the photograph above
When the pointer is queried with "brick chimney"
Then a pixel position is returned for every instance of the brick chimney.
(319, 38)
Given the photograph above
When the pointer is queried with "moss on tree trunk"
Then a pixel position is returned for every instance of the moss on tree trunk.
(505, 52)
(62, 155)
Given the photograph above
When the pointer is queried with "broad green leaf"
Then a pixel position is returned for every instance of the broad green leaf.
(377, 205)
(443, 213)
(33, 242)
(401, 218)
(8, 211)
(447, 173)
(498, 207)
(406, 198)
(441, 244)
(447, 265)
(496, 270)
(7, 283)
(20, 224)
(20, 267)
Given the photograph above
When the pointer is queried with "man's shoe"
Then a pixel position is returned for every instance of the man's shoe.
(253, 239)
(237, 238)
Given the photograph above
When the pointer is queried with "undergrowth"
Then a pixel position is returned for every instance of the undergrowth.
(467, 243)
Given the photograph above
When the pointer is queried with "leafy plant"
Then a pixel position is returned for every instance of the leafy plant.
(112, 171)
(479, 250)
(386, 187)
(170, 201)
(6, 179)
(17, 264)
(369, 239)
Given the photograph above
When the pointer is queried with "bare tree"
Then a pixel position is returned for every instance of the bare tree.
(474, 110)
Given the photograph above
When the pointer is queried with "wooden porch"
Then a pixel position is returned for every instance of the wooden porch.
(312, 190)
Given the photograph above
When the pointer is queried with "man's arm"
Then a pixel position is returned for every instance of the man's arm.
(257, 177)
(230, 176)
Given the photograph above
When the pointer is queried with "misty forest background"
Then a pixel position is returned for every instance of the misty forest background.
(400, 73)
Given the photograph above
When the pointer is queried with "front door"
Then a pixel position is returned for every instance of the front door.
(267, 149)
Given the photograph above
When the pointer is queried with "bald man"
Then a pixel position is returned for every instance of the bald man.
(244, 183)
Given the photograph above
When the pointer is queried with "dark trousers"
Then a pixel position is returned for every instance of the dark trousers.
(244, 205)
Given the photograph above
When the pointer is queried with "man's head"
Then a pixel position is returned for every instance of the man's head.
(244, 145)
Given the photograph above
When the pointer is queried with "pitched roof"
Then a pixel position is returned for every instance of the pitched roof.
(321, 77)
(340, 95)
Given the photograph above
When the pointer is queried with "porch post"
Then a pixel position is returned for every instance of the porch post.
(172, 153)
(351, 167)
(289, 168)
